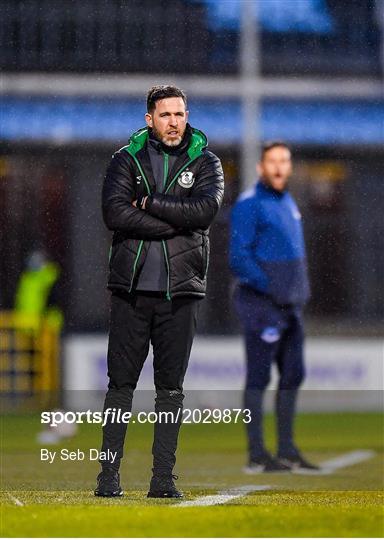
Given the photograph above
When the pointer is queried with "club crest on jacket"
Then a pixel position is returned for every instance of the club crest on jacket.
(270, 334)
(186, 179)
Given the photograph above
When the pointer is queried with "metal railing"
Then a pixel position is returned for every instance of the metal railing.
(29, 362)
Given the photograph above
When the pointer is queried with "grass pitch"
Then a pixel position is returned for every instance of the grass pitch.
(50, 500)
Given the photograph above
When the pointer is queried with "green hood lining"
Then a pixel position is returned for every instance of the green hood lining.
(196, 146)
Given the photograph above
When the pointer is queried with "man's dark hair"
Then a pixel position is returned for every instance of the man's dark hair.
(161, 92)
(273, 144)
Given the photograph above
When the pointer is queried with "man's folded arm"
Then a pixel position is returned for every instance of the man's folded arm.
(118, 212)
(197, 211)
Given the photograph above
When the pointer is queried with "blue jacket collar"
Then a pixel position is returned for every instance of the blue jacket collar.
(269, 190)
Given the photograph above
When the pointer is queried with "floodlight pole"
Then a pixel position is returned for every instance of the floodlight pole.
(250, 77)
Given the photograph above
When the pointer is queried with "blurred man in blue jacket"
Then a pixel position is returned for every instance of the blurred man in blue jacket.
(267, 255)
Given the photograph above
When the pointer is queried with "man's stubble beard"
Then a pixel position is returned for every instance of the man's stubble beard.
(176, 142)
(166, 141)
(269, 183)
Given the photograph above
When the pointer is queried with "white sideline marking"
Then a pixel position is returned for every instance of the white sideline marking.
(16, 501)
(345, 460)
(327, 467)
(223, 496)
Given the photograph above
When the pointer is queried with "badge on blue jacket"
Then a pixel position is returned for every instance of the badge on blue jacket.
(270, 334)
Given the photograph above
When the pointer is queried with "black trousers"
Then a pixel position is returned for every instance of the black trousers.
(136, 321)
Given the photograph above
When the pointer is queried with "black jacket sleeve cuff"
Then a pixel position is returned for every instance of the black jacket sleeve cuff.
(148, 203)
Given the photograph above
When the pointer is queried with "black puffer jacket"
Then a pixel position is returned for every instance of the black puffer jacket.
(179, 217)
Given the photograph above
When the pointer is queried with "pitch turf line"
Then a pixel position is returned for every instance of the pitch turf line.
(223, 496)
(339, 462)
(327, 467)
(16, 501)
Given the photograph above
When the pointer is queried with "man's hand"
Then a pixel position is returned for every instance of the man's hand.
(140, 203)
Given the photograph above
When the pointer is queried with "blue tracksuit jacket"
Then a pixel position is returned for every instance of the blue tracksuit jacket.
(267, 250)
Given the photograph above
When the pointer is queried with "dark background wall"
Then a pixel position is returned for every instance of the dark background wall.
(52, 200)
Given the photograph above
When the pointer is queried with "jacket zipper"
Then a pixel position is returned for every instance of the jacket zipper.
(165, 176)
(207, 260)
(166, 159)
(168, 271)
(141, 243)
(167, 189)
(142, 173)
(135, 263)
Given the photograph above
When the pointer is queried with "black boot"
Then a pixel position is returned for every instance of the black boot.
(108, 484)
(163, 487)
